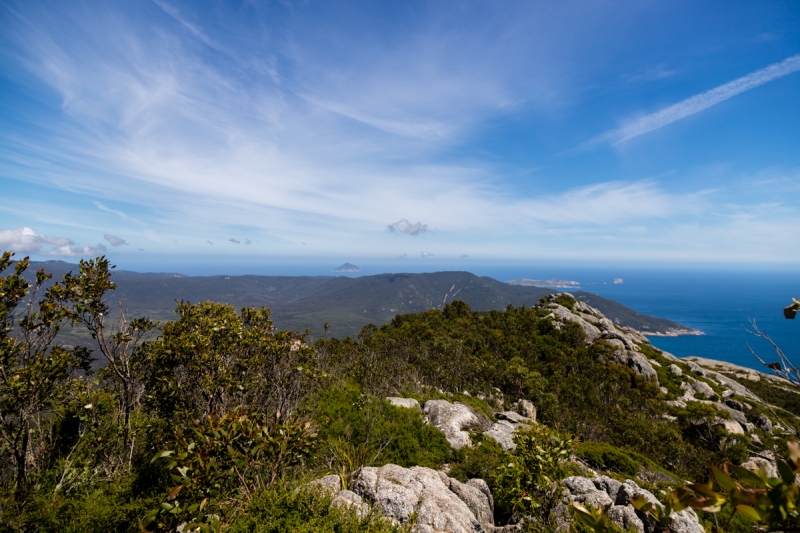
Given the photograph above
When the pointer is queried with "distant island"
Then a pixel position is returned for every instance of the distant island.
(347, 267)
(547, 283)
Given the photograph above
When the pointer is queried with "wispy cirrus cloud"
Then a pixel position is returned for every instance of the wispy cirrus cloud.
(697, 103)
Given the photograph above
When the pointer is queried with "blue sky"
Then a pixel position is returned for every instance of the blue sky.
(217, 132)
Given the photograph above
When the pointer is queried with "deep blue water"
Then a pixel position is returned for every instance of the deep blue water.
(715, 300)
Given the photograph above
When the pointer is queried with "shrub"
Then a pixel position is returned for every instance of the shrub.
(528, 481)
(282, 510)
(379, 432)
(218, 463)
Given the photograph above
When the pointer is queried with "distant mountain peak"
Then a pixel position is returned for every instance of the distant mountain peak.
(347, 267)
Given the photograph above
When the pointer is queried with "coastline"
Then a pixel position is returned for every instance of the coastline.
(677, 332)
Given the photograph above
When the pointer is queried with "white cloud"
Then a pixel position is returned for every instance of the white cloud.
(699, 102)
(404, 226)
(26, 241)
(426, 254)
(115, 241)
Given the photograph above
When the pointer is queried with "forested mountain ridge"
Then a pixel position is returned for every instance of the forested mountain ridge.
(346, 304)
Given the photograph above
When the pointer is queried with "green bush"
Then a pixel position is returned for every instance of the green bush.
(281, 510)
(480, 461)
(528, 480)
(608, 457)
(391, 434)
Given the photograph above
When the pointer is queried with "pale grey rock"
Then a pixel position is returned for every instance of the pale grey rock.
(349, 500)
(663, 390)
(603, 490)
(675, 369)
(638, 362)
(755, 439)
(408, 403)
(756, 464)
(617, 343)
(731, 426)
(502, 432)
(608, 485)
(676, 403)
(400, 493)
(625, 517)
(478, 498)
(654, 362)
(696, 369)
(526, 409)
(727, 393)
(590, 330)
(736, 414)
(513, 417)
(454, 420)
(733, 404)
(328, 485)
(703, 389)
(764, 424)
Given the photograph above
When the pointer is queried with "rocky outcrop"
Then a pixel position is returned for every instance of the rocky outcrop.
(440, 504)
(636, 361)
(602, 491)
(503, 430)
(526, 409)
(589, 330)
(408, 403)
(455, 420)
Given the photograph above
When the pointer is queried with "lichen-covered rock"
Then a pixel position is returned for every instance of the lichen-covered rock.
(736, 414)
(476, 494)
(329, 485)
(408, 403)
(638, 362)
(697, 369)
(764, 424)
(346, 499)
(702, 389)
(455, 420)
(526, 409)
(675, 369)
(590, 330)
(400, 493)
(731, 426)
(603, 490)
(759, 463)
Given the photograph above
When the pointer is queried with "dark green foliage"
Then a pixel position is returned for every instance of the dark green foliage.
(607, 457)
(281, 510)
(620, 461)
(217, 464)
(527, 480)
(213, 359)
(480, 461)
(385, 433)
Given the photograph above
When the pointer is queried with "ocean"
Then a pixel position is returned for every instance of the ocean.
(718, 303)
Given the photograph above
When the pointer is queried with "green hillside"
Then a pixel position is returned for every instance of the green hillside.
(346, 304)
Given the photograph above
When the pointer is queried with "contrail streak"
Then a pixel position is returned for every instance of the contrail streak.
(697, 103)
